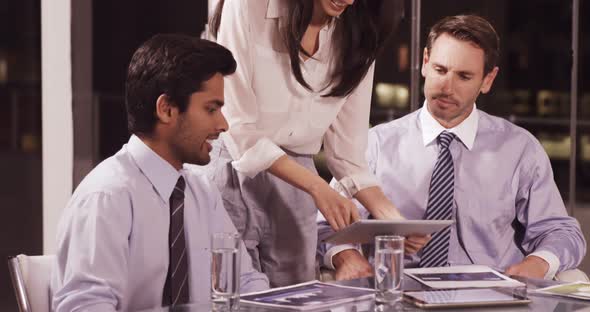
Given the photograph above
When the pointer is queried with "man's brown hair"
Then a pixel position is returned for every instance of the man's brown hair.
(471, 28)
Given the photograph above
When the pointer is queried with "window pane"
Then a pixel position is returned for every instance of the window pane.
(582, 211)
(20, 136)
(119, 28)
(583, 182)
(391, 87)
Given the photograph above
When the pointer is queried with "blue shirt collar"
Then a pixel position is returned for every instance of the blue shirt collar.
(465, 131)
(159, 172)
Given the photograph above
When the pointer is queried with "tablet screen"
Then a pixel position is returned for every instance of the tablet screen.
(459, 277)
(461, 296)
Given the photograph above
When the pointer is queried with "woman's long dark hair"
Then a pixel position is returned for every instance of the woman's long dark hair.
(360, 34)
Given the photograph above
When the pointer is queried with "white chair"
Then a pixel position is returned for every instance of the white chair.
(570, 276)
(31, 277)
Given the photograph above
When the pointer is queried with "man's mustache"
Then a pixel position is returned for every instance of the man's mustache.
(445, 97)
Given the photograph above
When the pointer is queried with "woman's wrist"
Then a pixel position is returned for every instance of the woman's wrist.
(378, 204)
(315, 186)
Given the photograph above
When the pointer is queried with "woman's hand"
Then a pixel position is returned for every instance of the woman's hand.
(380, 207)
(338, 210)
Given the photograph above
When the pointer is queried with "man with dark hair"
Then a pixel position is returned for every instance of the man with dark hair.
(450, 160)
(136, 232)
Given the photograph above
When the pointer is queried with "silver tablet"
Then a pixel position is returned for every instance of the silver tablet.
(460, 298)
(364, 231)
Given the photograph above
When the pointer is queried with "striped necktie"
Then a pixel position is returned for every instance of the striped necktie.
(440, 204)
(176, 288)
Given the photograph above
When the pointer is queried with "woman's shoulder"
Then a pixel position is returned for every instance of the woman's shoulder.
(253, 10)
(255, 17)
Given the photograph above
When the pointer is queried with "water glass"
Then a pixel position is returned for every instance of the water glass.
(225, 271)
(389, 268)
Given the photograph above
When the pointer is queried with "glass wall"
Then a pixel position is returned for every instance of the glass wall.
(20, 136)
(582, 207)
(391, 87)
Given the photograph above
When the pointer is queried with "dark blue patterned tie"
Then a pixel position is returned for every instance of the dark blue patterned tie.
(440, 204)
(176, 288)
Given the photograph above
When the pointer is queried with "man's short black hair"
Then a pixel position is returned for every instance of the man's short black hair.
(174, 65)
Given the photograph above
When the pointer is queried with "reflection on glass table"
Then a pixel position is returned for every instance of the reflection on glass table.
(542, 303)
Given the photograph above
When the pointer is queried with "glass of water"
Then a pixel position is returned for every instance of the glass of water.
(389, 268)
(225, 271)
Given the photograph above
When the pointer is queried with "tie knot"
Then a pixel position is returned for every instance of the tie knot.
(179, 188)
(445, 139)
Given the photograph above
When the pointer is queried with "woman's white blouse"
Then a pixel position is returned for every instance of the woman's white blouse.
(267, 109)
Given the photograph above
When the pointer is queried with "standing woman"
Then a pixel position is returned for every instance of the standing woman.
(304, 78)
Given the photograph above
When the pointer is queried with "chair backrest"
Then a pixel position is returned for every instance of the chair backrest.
(573, 275)
(31, 276)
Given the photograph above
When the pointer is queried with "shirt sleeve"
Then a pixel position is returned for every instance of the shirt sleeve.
(540, 209)
(552, 259)
(92, 254)
(250, 279)
(326, 251)
(335, 250)
(251, 151)
(345, 142)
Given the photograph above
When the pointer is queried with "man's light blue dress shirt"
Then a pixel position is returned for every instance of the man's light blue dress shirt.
(507, 205)
(112, 249)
